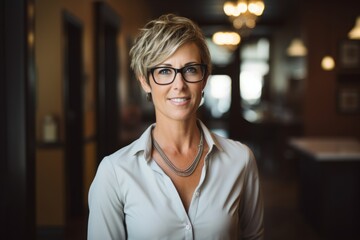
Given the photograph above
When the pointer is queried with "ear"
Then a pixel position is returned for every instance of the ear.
(204, 82)
(144, 84)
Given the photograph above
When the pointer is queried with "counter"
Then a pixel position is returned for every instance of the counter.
(329, 190)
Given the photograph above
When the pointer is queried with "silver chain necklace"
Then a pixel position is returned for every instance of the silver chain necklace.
(188, 171)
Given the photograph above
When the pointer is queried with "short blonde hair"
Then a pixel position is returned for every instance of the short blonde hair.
(160, 38)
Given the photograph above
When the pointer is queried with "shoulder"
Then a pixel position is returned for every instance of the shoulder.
(121, 155)
(138, 150)
(224, 145)
(235, 153)
(115, 170)
(122, 158)
(232, 147)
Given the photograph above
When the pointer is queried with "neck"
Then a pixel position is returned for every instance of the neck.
(177, 135)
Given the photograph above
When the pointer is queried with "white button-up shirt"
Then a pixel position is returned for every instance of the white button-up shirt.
(132, 198)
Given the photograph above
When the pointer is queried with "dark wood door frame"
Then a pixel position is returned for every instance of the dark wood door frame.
(17, 120)
(73, 103)
(107, 27)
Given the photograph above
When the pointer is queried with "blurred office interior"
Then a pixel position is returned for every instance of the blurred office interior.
(289, 88)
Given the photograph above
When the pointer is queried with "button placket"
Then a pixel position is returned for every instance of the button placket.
(189, 235)
(197, 193)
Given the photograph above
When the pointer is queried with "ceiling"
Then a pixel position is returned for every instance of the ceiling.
(210, 16)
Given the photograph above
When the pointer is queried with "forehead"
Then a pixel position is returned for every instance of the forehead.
(187, 53)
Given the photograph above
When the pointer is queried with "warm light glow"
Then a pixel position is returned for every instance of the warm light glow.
(242, 6)
(229, 8)
(328, 63)
(355, 32)
(238, 22)
(236, 11)
(226, 38)
(31, 38)
(240, 12)
(256, 7)
(296, 48)
(250, 23)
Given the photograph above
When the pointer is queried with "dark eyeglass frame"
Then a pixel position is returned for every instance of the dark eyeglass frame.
(180, 70)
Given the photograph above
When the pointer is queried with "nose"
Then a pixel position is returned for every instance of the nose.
(179, 82)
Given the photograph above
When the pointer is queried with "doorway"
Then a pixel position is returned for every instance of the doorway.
(73, 109)
(107, 71)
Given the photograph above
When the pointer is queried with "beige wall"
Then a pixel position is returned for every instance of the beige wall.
(50, 188)
(50, 174)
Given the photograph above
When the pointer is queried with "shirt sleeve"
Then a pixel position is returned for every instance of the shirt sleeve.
(106, 216)
(252, 209)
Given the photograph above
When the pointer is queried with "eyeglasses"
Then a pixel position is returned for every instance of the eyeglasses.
(166, 75)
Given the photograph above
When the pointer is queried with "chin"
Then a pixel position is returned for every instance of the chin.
(183, 117)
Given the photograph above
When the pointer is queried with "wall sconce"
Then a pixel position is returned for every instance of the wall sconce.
(296, 48)
(328, 63)
(355, 31)
(50, 129)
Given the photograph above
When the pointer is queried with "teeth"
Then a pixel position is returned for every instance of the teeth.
(178, 100)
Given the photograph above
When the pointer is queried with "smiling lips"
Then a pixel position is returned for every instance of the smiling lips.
(179, 100)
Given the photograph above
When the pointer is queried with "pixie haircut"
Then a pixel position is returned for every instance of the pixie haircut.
(160, 38)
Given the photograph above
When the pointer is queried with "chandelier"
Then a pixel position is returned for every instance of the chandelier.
(244, 13)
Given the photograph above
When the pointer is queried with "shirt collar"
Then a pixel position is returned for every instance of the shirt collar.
(144, 142)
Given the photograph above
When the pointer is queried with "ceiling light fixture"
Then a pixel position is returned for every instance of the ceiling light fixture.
(244, 13)
(228, 39)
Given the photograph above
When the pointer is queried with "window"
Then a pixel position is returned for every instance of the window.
(254, 66)
(218, 95)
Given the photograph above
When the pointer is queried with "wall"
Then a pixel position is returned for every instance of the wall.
(321, 25)
(50, 174)
(325, 25)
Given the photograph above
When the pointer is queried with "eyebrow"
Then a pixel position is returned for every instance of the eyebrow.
(169, 65)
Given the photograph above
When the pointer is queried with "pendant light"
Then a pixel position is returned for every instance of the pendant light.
(296, 48)
(355, 31)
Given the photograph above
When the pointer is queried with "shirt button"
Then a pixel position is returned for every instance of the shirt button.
(188, 227)
(197, 193)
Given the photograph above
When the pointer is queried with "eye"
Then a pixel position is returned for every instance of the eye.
(192, 69)
(164, 71)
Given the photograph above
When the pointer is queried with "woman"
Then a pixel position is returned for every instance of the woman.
(178, 180)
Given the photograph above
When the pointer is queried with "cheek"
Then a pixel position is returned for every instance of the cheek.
(200, 90)
(158, 92)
